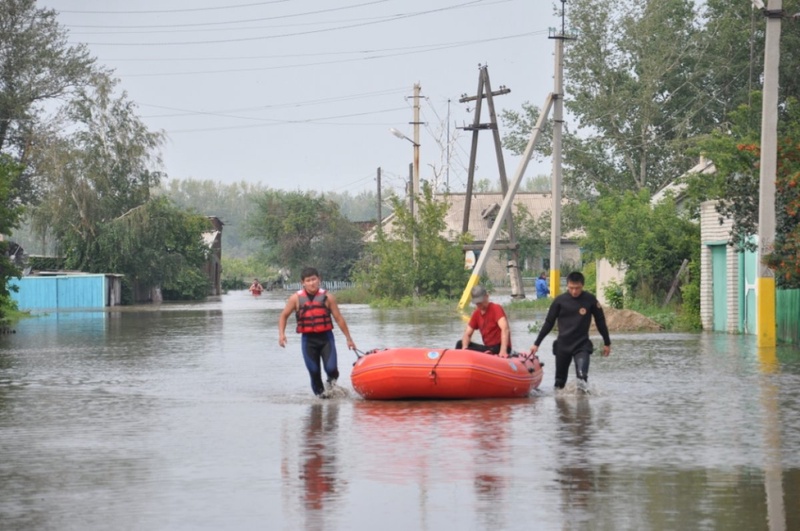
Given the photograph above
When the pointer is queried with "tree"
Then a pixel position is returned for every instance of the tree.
(37, 66)
(10, 212)
(656, 239)
(631, 81)
(302, 228)
(736, 155)
(533, 234)
(103, 168)
(155, 244)
(392, 269)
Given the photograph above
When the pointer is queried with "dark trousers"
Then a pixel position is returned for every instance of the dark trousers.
(319, 351)
(563, 359)
(494, 349)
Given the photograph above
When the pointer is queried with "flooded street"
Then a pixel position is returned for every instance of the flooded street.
(190, 416)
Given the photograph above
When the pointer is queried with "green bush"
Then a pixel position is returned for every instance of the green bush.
(615, 294)
(190, 284)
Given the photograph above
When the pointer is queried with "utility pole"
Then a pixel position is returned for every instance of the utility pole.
(416, 123)
(558, 124)
(506, 206)
(766, 329)
(380, 215)
(447, 166)
(485, 91)
(412, 199)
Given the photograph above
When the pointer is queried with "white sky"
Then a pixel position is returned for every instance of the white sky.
(300, 94)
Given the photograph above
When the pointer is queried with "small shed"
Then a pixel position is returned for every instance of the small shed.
(67, 290)
(727, 277)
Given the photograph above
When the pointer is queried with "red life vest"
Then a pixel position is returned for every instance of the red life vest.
(312, 315)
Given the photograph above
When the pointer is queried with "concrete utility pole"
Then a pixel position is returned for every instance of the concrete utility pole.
(766, 329)
(416, 123)
(380, 215)
(558, 124)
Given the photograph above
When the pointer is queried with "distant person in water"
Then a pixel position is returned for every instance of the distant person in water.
(314, 307)
(490, 319)
(542, 288)
(573, 311)
(256, 288)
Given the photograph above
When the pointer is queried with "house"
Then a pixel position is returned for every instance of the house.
(484, 207)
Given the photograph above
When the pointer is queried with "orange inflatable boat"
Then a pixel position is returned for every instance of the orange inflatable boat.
(443, 373)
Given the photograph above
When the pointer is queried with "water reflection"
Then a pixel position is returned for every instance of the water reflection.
(577, 475)
(316, 482)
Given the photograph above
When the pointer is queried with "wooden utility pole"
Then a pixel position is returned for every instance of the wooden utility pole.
(485, 92)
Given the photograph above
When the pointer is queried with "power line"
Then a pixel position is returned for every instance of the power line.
(277, 17)
(215, 8)
(299, 33)
(224, 113)
(433, 48)
(272, 121)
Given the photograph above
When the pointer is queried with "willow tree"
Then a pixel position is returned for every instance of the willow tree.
(155, 244)
(103, 167)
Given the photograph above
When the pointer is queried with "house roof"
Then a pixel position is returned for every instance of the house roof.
(677, 187)
(483, 211)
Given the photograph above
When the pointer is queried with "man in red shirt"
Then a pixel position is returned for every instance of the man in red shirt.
(491, 320)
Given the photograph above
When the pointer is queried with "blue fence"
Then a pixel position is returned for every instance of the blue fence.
(60, 292)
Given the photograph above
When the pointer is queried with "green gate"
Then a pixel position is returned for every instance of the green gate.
(719, 282)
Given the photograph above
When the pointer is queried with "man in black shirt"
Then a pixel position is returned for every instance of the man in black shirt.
(574, 311)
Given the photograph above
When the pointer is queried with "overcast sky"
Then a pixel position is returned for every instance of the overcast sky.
(300, 94)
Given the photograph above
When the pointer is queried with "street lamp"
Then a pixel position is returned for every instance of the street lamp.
(415, 176)
(414, 186)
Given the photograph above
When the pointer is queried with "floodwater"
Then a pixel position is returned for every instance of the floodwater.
(190, 416)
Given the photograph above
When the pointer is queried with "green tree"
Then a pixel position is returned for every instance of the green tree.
(103, 168)
(37, 67)
(632, 76)
(651, 240)
(302, 229)
(533, 234)
(10, 212)
(155, 244)
(736, 155)
(391, 268)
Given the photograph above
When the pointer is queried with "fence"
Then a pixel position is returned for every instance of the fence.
(787, 315)
(330, 285)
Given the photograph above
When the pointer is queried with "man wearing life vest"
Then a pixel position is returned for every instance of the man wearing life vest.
(314, 308)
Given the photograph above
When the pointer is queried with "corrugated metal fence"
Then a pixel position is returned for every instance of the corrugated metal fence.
(787, 315)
